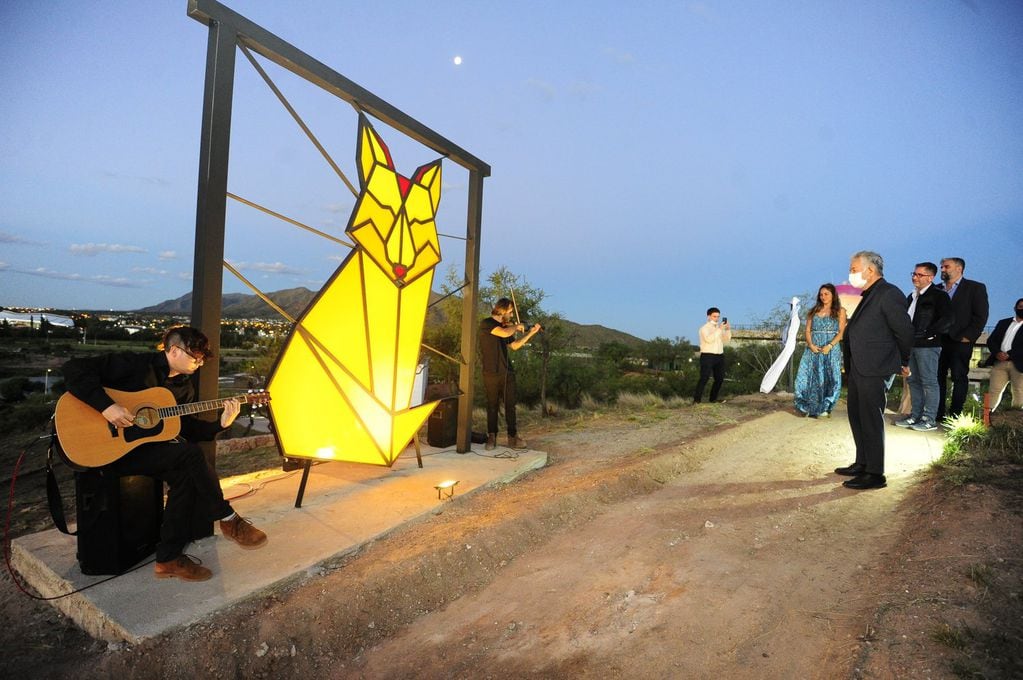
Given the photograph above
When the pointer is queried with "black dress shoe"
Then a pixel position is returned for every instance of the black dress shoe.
(851, 470)
(866, 481)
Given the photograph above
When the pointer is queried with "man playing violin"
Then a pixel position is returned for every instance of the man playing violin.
(497, 334)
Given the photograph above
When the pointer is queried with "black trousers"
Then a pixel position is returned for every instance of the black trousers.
(500, 387)
(191, 483)
(955, 359)
(710, 364)
(867, 399)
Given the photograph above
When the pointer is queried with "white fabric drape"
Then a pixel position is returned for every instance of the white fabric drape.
(775, 371)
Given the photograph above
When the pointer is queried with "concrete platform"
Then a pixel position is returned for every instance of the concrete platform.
(345, 505)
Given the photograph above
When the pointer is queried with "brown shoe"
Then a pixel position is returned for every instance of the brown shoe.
(516, 443)
(182, 567)
(491, 442)
(241, 531)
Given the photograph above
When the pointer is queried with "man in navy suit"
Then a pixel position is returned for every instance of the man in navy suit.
(1006, 360)
(879, 340)
(969, 309)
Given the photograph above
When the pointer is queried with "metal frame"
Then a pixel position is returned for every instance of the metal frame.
(228, 30)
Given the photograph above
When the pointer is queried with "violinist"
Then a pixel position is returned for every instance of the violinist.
(497, 334)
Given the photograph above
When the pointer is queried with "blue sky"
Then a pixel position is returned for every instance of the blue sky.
(650, 159)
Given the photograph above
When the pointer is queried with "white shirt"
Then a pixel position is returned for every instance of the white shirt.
(1010, 334)
(916, 296)
(713, 338)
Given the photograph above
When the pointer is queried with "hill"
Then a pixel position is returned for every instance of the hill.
(295, 300)
(241, 305)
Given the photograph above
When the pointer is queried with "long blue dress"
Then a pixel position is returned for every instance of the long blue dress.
(819, 379)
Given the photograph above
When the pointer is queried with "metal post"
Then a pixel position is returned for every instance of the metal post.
(211, 204)
(473, 229)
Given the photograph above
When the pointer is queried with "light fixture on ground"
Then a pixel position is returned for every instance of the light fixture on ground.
(446, 489)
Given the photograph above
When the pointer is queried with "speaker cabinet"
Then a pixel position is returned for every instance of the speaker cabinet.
(442, 428)
(118, 520)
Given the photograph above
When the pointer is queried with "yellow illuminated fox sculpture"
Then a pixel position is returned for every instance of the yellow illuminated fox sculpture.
(342, 385)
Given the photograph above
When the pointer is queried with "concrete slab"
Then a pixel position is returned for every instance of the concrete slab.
(345, 505)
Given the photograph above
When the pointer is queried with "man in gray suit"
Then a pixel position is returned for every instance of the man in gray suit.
(879, 340)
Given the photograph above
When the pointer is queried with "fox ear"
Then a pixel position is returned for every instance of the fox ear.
(371, 151)
(429, 177)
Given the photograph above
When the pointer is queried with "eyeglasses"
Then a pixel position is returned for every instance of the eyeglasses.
(914, 274)
(201, 359)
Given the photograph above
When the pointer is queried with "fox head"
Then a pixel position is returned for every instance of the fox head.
(393, 220)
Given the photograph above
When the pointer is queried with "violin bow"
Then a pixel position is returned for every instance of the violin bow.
(515, 306)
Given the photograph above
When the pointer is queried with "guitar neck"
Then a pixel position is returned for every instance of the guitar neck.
(192, 408)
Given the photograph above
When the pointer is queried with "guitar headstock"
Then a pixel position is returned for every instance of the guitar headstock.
(257, 397)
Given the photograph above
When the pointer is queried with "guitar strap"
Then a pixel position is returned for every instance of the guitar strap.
(53, 497)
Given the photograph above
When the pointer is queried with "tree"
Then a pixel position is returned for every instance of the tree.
(443, 330)
(554, 337)
(528, 306)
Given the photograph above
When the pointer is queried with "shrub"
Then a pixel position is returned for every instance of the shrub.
(13, 389)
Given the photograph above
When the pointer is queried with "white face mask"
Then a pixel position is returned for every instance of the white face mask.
(857, 280)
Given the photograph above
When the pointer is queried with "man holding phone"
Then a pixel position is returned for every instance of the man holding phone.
(713, 336)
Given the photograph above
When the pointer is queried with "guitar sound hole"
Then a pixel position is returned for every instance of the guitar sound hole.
(146, 418)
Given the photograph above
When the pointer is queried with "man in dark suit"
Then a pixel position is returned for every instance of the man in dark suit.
(929, 311)
(879, 340)
(1006, 360)
(969, 310)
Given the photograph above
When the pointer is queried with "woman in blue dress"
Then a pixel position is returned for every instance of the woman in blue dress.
(819, 380)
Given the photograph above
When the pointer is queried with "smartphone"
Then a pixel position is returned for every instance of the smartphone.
(724, 319)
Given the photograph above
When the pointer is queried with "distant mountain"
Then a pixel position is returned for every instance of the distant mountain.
(592, 336)
(295, 300)
(242, 306)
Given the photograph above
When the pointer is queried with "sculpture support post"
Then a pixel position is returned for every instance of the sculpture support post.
(211, 204)
(473, 229)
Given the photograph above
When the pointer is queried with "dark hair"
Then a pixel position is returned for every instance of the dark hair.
(836, 305)
(958, 260)
(503, 306)
(192, 339)
(929, 266)
(713, 310)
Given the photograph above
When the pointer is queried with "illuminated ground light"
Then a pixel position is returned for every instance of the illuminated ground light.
(446, 489)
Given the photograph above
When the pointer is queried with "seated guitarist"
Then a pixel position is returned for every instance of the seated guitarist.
(180, 463)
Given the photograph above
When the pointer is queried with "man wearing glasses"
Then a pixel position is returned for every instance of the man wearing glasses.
(192, 483)
(930, 311)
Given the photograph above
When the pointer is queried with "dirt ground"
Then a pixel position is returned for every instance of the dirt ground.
(706, 541)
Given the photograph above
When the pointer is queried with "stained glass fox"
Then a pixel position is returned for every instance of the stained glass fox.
(342, 385)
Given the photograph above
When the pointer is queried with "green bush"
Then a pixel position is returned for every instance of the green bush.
(32, 414)
(13, 389)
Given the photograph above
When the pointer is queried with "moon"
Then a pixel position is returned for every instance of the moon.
(457, 60)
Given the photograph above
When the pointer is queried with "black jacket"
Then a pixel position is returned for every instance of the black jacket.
(131, 372)
(969, 310)
(932, 317)
(879, 335)
(994, 344)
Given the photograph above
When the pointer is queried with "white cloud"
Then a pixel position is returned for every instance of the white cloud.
(159, 181)
(168, 255)
(150, 270)
(545, 89)
(17, 240)
(619, 56)
(269, 267)
(93, 249)
(101, 279)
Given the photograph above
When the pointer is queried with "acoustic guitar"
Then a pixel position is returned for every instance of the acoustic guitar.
(89, 441)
